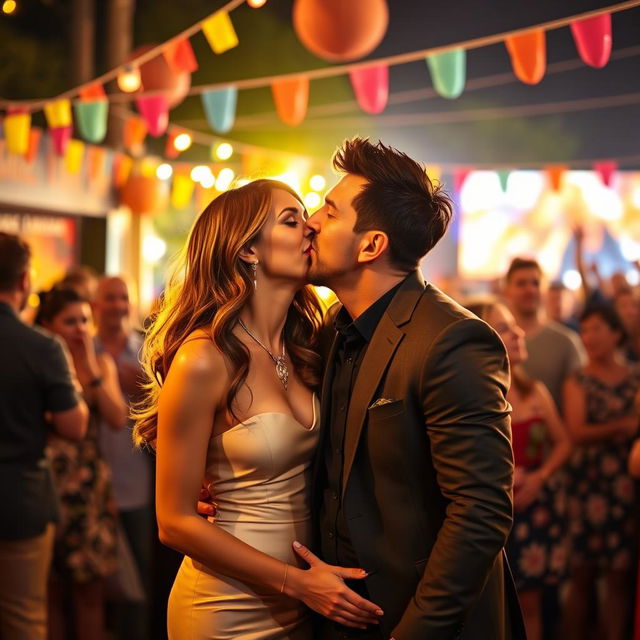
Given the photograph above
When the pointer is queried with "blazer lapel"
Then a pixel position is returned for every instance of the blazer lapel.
(382, 346)
(379, 352)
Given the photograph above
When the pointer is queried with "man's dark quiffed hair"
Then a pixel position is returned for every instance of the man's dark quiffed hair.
(14, 260)
(398, 199)
(522, 263)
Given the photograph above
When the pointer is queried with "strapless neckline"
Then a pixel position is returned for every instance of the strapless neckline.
(277, 413)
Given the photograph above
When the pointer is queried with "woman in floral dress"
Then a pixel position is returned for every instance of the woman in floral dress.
(85, 547)
(537, 546)
(600, 415)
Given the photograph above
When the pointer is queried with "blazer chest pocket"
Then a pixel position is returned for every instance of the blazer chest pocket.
(384, 411)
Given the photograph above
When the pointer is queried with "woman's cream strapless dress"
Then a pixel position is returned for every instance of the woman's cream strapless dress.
(258, 473)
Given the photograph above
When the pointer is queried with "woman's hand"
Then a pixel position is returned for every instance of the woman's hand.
(322, 588)
(528, 490)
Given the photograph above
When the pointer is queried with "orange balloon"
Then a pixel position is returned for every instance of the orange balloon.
(157, 75)
(291, 98)
(528, 53)
(141, 194)
(340, 30)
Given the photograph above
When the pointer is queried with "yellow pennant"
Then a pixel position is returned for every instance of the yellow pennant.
(219, 32)
(17, 127)
(73, 157)
(58, 113)
(182, 190)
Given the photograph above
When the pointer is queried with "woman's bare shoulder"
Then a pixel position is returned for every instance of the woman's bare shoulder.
(199, 358)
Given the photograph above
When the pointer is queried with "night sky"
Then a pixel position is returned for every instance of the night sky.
(268, 46)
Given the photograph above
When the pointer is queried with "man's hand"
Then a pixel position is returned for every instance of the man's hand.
(206, 506)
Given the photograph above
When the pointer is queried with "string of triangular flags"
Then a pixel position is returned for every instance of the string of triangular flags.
(88, 104)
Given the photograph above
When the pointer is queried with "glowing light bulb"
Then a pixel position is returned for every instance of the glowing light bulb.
(312, 200)
(256, 4)
(224, 179)
(164, 171)
(571, 279)
(129, 79)
(317, 182)
(207, 181)
(182, 141)
(153, 248)
(224, 151)
(200, 173)
(9, 6)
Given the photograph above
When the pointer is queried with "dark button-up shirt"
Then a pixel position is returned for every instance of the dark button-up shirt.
(34, 379)
(353, 339)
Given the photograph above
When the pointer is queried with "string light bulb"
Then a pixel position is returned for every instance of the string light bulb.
(256, 4)
(9, 7)
(164, 171)
(317, 182)
(224, 151)
(129, 79)
(224, 179)
(182, 141)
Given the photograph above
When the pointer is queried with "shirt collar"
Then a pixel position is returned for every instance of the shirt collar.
(7, 309)
(365, 324)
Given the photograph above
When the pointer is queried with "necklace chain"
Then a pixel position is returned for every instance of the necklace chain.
(280, 361)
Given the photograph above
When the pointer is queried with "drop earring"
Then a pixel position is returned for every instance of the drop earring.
(254, 266)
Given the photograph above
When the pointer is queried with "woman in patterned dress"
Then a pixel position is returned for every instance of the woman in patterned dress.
(85, 548)
(537, 546)
(600, 415)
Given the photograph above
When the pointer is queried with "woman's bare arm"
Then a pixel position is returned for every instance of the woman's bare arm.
(194, 387)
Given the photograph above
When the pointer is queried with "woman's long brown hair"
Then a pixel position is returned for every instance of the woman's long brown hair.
(208, 291)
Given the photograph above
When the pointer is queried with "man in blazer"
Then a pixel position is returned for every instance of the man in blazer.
(413, 478)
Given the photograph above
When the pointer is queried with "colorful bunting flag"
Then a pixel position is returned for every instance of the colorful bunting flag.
(180, 56)
(219, 31)
(291, 98)
(220, 108)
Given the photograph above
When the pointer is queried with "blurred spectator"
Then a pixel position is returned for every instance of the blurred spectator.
(602, 420)
(559, 305)
(130, 466)
(36, 394)
(554, 351)
(85, 549)
(537, 547)
(627, 305)
(82, 279)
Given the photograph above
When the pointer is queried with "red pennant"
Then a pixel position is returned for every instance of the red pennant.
(180, 56)
(459, 177)
(605, 169)
(92, 92)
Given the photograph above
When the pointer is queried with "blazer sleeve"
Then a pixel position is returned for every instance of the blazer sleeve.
(464, 383)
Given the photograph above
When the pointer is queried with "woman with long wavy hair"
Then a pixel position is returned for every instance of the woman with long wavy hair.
(230, 398)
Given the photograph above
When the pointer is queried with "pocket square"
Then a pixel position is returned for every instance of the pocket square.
(380, 401)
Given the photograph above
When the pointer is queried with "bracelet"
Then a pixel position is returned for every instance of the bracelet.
(284, 580)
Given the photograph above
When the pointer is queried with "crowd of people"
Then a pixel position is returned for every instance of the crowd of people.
(78, 540)
(80, 529)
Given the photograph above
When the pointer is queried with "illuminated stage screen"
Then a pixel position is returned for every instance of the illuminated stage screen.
(527, 218)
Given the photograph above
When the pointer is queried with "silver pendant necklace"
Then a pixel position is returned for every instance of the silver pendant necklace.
(281, 364)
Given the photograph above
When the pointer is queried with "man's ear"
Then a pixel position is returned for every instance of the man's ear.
(373, 244)
(24, 284)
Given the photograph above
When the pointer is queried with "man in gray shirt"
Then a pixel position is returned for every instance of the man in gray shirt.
(554, 350)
